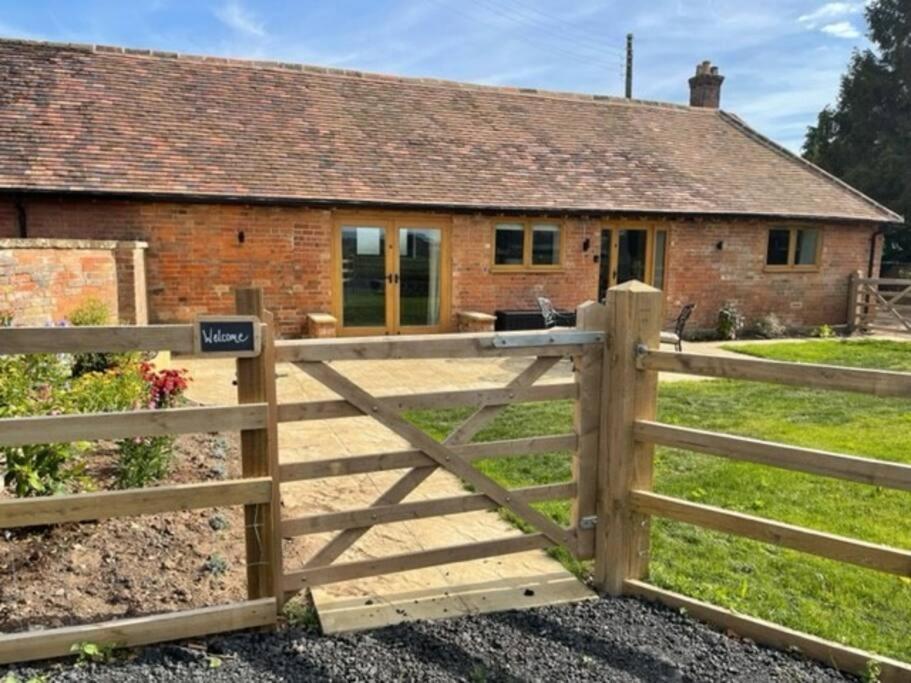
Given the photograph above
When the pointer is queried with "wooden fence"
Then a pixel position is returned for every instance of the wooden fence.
(616, 359)
(879, 304)
(257, 490)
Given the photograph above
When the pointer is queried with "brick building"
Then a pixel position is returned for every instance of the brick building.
(394, 203)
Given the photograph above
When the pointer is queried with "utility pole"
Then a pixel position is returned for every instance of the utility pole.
(629, 66)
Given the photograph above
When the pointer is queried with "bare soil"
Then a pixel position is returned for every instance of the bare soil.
(88, 572)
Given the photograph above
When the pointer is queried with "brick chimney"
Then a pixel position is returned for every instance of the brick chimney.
(705, 86)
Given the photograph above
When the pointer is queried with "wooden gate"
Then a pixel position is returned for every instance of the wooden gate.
(879, 305)
(544, 349)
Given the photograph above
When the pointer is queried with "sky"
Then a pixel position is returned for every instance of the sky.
(782, 59)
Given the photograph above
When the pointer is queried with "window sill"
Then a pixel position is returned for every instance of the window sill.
(791, 269)
(527, 269)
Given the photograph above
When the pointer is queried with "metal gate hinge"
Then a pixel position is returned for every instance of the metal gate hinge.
(588, 522)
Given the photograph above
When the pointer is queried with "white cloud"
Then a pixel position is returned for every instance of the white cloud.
(829, 11)
(234, 15)
(841, 29)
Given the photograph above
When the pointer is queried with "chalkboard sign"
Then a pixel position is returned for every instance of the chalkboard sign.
(237, 336)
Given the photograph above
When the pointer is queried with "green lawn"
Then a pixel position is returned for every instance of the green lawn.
(860, 607)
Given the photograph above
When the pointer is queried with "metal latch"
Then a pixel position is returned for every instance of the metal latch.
(589, 522)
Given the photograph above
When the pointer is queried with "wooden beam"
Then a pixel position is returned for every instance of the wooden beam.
(329, 409)
(764, 632)
(864, 470)
(398, 460)
(876, 382)
(259, 456)
(635, 313)
(20, 431)
(194, 623)
(471, 345)
(119, 339)
(83, 507)
(422, 509)
(443, 456)
(588, 371)
(860, 553)
(346, 571)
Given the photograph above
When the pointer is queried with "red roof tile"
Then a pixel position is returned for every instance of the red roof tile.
(99, 119)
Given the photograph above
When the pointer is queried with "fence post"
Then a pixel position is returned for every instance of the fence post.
(590, 316)
(259, 456)
(853, 292)
(634, 317)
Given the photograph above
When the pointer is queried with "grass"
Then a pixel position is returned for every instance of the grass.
(851, 605)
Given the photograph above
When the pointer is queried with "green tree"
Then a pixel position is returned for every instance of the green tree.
(865, 139)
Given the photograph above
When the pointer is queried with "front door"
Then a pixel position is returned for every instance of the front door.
(624, 256)
(392, 276)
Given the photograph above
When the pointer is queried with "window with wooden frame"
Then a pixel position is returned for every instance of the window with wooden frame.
(527, 245)
(793, 249)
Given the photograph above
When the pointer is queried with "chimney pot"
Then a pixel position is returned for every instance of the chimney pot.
(705, 86)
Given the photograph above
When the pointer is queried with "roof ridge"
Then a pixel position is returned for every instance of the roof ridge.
(738, 123)
(94, 48)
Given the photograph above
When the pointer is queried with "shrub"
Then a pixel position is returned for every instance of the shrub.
(730, 321)
(36, 385)
(92, 312)
(824, 332)
(143, 459)
(6, 318)
(123, 388)
(770, 327)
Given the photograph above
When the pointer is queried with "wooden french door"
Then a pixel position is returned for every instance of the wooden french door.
(632, 253)
(391, 276)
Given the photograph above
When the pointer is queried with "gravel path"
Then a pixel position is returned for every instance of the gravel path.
(606, 640)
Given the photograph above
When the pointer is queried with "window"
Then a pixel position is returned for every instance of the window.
(527, 245)
(793, 249)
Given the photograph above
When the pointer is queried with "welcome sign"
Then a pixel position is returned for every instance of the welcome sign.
(237, 336)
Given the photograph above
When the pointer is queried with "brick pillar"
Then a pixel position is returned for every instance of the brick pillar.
(132, 297)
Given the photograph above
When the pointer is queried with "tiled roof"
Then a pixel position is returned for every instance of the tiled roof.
(98, 119)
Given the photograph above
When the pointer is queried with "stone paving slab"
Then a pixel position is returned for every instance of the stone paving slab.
(526, 579)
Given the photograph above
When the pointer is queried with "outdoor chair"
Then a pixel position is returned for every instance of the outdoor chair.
(676, 337)
(553, 317)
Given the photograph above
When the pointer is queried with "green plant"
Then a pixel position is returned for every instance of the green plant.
(770, 327)
(730, 321)
(87, 652)
(122, 388)
(216, 565)
(824, 332)
(92, 312)
(36, 385)
(213, 662)
(142, 460)
(6, 318)
(301, 614)
(872, 672)
(218, 522)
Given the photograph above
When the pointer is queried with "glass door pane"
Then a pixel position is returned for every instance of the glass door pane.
(631, 255)
(419, 276)
(363, 276)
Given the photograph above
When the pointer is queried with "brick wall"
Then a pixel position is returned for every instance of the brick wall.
(198, 254)
(43, 281)
(700, 272)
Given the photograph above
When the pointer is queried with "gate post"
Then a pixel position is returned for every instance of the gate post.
(634, 318)
(259, 456)
(853, 293)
